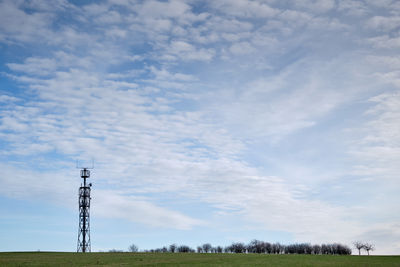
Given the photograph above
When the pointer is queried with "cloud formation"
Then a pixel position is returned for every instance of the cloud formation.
(283, 116)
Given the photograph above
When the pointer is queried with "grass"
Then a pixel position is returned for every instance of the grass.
(187, 259)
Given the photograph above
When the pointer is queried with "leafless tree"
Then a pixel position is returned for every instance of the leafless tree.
(172, 248)
(256, 246)
(133, 248)
(316, 249)
(184, 249)
(115, 250)
(207, 247)
(267, 247)
(368, 247)
(358, 245)
(199, 249)
(238, 248)
(277, 248)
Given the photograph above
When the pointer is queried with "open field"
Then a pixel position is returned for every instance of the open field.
(187, 259)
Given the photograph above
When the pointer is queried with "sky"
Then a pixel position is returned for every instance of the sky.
(207, 121)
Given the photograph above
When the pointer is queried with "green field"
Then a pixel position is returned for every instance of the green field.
(187, 259)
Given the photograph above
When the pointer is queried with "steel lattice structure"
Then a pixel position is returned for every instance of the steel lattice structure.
(84, 214)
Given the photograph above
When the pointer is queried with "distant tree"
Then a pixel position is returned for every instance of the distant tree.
(333, 249)
(238, 248)
(115, 250)
(184, 249)
(267, 247)
(277, 248)
(256, 246)
(344, 250)
(368, 247)
(289, 249)
(207, 247)
(358, 245)
(316, 249)
(133, 248)
(172, 248)
(307, 248)
(328, 249)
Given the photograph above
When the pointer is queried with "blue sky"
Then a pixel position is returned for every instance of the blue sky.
(208, 121)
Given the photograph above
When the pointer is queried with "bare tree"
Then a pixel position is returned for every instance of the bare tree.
(199, 249)
(184, 249)
(238, 248)
(267, 247)
(368, 247)
(115, 250)
(316, 249)
(256, 246)
(172, 248)
(358, 245)
(277, 248)
(133, 248)
(207, 247)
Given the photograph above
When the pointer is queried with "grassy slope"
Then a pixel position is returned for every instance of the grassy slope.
(188, 259)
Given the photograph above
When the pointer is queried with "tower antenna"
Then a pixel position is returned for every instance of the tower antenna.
(84, 210)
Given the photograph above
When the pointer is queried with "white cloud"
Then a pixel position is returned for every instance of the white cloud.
(379, 150)
(385, 41)
(221, 24)
(273, 107)
(163, 74)
(7, 99)
(110, 17)
(244, 8)
(156, 9)
(35, 66)
(294, 17)
(352, 7)
(95, 9)
(318, 6)
(383, 23)
(108, 204)
(187, 52)
(242, 48)
(43, 5)
(17, 25)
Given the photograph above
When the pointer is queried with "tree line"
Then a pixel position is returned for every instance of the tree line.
(255, 246)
